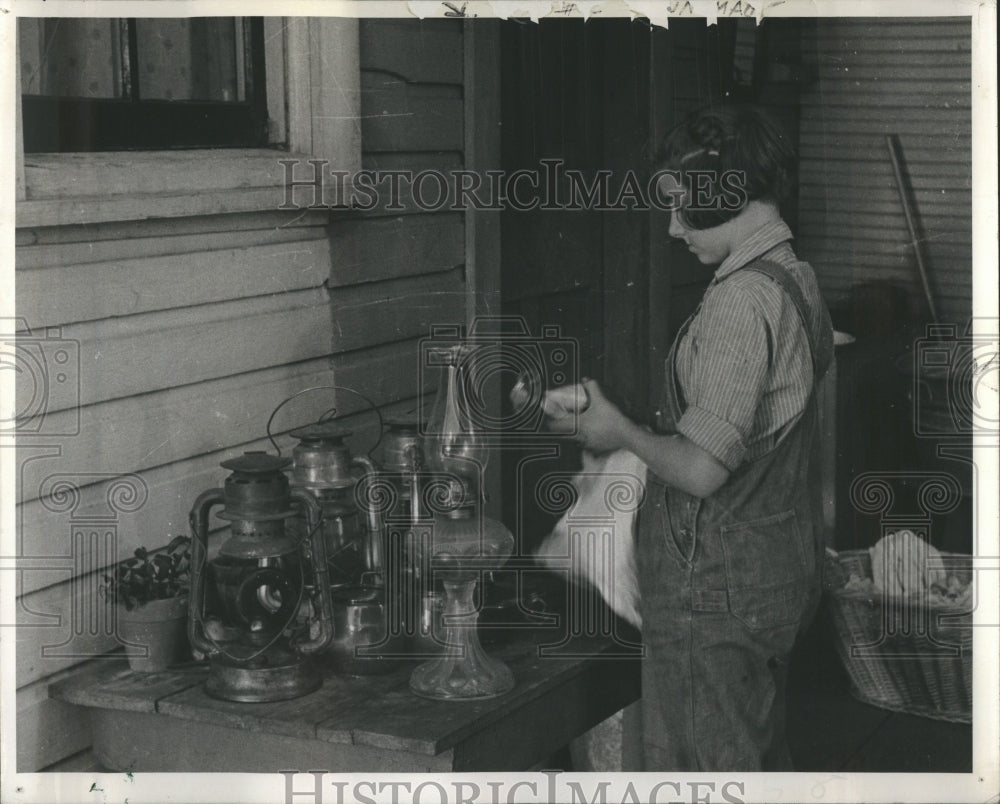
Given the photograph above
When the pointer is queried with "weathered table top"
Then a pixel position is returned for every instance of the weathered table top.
(167, 722)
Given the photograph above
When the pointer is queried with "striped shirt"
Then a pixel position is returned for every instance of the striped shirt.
(744, 365)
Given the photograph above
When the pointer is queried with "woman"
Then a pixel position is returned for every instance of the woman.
(727, 546)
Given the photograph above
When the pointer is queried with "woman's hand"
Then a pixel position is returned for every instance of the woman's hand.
(599, 427)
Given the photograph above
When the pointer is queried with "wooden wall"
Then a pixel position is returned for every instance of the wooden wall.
(874, 77)
(411, 263)
(192, 330)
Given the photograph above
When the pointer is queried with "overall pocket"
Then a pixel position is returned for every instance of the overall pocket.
(766, 572)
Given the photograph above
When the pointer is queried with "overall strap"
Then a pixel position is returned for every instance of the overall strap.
(821, 348)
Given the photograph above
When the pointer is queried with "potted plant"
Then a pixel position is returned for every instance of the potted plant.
(149, 592)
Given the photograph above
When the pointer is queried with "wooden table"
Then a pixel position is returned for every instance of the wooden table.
(166, 721)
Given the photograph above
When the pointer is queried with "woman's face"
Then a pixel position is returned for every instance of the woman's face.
(710, 246)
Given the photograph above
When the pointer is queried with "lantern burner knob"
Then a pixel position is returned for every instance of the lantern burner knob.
(321, 431)
(256, 463)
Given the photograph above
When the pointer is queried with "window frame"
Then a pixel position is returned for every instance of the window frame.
(312, 69)
(111, 124)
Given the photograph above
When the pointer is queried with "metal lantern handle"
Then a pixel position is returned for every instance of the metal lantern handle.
(329, 414)
(313, 548)
(199, 568)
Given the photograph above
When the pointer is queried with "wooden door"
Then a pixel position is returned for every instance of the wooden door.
(595, 95)
(552, 266)
(601, 95)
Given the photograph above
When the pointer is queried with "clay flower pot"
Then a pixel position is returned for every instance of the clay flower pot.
(154, 634)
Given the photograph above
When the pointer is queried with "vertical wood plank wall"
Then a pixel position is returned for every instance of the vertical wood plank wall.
(874, 77)
(192, 330)
(685, 76)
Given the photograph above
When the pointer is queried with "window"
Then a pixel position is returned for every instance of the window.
(113, 84)
(305, 71)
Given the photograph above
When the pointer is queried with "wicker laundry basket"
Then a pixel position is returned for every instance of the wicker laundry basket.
(901, 654)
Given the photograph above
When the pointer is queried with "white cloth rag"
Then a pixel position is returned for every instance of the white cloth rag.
(610, 489)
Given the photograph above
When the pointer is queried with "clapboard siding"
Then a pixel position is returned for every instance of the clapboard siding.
(411, 88)
(49, 730)
(81, 236)
(415, 161)
(34, 255)
(172, 427)
(833, 243)
(409, 117)
(891, 264)
(78, 292)
(82, 762)
(122, 357)
(928, 32)
(949, 126)
(191, 331)
(874, 77)
(395, 310)
(160, 428)
(373, 250)
(389, 46)
(876, 218)
(178, 425)
(957, 95)
(859, 152)
(190, 345)
(929, 177)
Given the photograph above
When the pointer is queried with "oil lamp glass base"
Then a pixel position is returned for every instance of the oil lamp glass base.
(464, 671)
(281, 676)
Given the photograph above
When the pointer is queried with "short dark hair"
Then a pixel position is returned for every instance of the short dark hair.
(724, 139)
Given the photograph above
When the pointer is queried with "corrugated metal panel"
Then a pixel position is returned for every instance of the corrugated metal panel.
(876, 77)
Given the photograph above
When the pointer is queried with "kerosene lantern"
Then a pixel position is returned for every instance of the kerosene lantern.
(462, 542)
(351, 488)
(269, 609)
(323, 464)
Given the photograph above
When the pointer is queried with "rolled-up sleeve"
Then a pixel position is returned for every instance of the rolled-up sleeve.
(726, 361)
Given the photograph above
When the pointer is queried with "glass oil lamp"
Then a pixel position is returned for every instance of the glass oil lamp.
(253, 625)
(461, 543)
(453, 444)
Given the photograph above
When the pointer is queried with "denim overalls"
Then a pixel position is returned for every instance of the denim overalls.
(727, 581)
